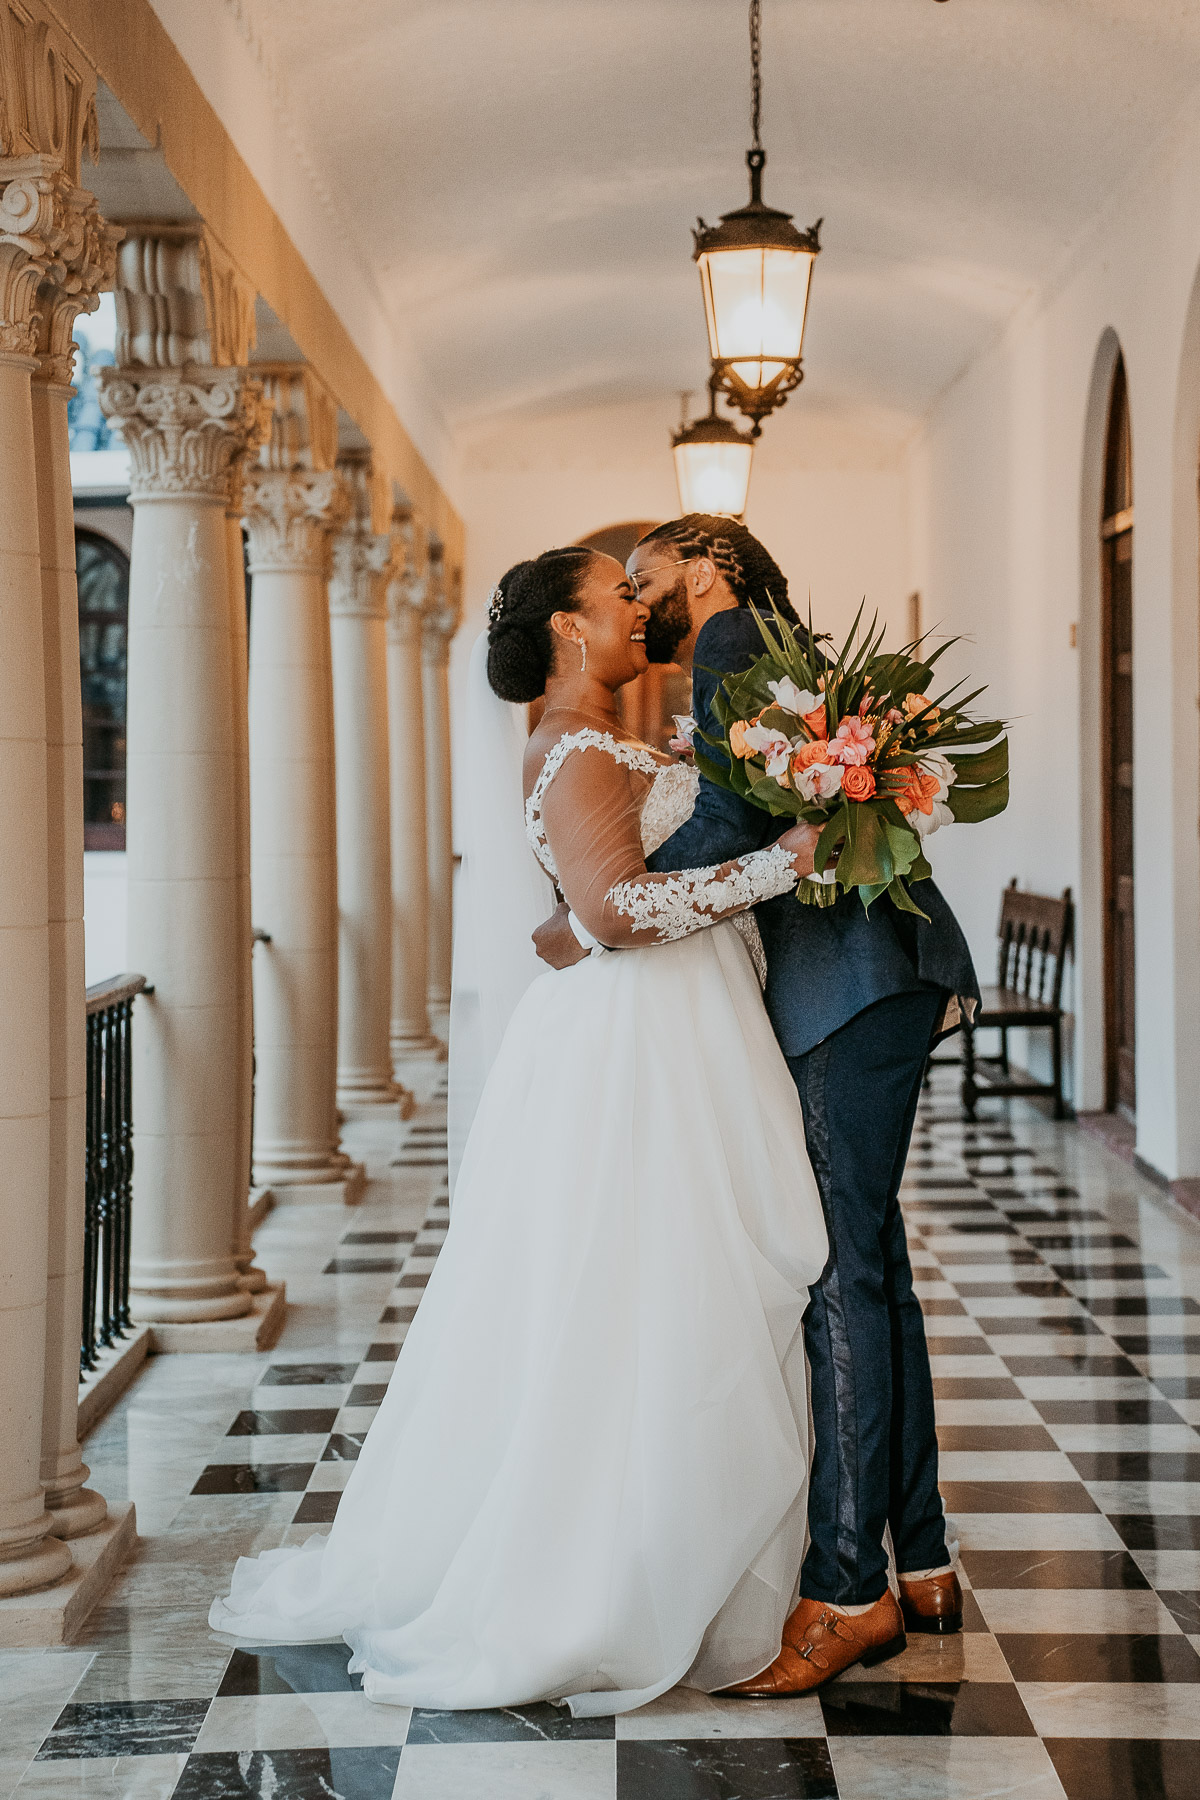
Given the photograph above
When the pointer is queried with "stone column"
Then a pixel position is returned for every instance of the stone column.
(441, 622)
(30, 228)
(358, 633)
(186, 417)
(86, 264)
(294, 501)
(252, 1277)
(406, 744)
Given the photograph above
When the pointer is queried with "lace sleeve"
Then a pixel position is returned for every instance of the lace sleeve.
(591, 812)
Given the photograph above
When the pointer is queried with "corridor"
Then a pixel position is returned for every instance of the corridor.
(1062, 1297)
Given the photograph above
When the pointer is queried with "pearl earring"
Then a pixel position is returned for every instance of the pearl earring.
(583, 656)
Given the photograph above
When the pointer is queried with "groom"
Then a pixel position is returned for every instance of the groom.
(856, 1002)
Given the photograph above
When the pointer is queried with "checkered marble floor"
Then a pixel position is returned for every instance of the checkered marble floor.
(1062, 1301)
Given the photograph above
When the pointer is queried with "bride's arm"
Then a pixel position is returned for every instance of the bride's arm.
(592, 812)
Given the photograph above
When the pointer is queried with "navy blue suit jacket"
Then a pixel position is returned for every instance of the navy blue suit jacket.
(824, 964)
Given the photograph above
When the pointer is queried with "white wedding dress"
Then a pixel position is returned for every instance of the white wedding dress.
(587, 1479)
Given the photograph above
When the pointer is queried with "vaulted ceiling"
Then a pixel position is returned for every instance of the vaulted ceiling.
(520, 176)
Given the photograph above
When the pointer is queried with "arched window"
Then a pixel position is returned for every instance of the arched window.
(103, 575)
(1116, 673)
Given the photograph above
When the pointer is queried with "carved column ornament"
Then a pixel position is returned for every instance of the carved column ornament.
(361, 556)
(47, 93)
(183, 428)
(181, 299)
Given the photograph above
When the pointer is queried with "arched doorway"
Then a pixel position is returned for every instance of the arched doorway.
(103, 576)
(1116, 674)
(647, 704)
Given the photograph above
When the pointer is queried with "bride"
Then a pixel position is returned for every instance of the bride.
(587, 1479)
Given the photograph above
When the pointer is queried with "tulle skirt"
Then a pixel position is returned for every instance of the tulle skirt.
(587, 1479)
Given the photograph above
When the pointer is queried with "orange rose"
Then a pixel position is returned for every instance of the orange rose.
(918, 703)
(899, 783)
(858, 782)
(919, 792)
(815, 751)
(737, 738)
(816, 722)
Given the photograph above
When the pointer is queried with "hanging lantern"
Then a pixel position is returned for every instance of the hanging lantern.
(755, 274)
(712, 463)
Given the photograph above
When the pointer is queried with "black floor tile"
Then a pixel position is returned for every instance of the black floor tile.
(1178, 1387)
(958, 1346)
(1009, 1254)
(1052, 1569)
(308, 1374)
(1136, 1465)
(505, 1725)
(725, 1769)
(924, 1709)
(1150, 1411)
(317, 1509)
(124, 1728)
(378, 1237)
(1017, 1497)
(942, 1308)
(397, 1315)
(419, 1280)
(995, 1437)
(368, 1393)
(1095, 1656)
(1159, 1343)
(1000, 1290)
(1055, 1215)
(984, 1227)
(289, 1669)
(1077, 1240)
(382, 1353)
(364, 1265)
(1157, 1531)
(254, 1478)
(962, 1387)
(344, 1446)
(1110, 1271)
(962, 1182)
(292, 1774)
(1102, 1368)
(1057, 1325)
(1159, 1306)
(293, 1421)
(1125, 1769)
(1184, 1608)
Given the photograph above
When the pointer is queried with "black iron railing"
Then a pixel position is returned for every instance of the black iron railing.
(108, 1184)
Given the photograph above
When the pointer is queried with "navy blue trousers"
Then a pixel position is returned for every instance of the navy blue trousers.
(875, 1451)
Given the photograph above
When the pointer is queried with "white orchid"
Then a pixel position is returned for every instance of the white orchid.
(934, 763)
(820, 781)
(790, 698)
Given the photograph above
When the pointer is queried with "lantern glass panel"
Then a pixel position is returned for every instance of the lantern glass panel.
(755, 302)
(713, 478)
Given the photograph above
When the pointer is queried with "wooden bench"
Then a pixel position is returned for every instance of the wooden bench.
(1035, 936)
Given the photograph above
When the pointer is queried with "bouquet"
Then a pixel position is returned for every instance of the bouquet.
(855, 744)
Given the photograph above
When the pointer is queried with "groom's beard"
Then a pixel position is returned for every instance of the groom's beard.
(669, 623)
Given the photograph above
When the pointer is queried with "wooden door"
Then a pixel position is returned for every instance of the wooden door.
(1116, 550)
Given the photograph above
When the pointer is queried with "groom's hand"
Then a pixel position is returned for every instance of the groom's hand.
(556, 943)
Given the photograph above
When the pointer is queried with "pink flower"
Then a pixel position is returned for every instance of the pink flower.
(853, 743)
(894, 716)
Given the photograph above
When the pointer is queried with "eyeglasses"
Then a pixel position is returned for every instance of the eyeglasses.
(658, 567)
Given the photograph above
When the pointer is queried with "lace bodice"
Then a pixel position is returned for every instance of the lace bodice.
(593, 828)
(669, 803)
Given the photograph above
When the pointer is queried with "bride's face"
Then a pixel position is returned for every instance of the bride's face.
(611, 619)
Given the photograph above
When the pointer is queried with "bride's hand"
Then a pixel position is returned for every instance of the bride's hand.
(801, 840)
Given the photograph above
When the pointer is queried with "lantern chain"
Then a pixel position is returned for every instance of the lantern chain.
(756, 72)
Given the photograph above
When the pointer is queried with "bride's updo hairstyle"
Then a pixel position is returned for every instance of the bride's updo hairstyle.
(520, 641)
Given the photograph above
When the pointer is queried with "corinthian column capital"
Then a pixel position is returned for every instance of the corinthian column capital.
(184, 428)
(361, 555)
(407, 585)
(290, 514)
(34, 228)
(84, 266)
(443, 608)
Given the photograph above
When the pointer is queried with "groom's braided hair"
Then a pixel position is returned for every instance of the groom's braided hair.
(754, 576)
(520, 641)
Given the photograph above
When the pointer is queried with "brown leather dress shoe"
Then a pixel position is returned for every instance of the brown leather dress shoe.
(934, 1603)
(818, 1643)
